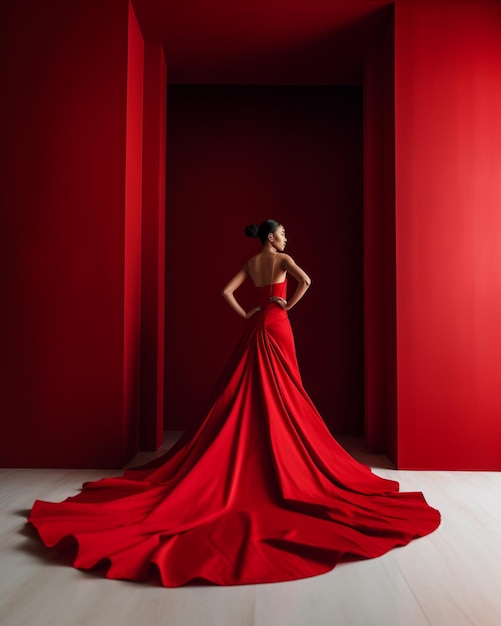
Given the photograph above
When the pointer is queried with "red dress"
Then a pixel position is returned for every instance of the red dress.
(261, 493)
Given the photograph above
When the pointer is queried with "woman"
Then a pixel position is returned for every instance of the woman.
(261, 492)
(265, 270)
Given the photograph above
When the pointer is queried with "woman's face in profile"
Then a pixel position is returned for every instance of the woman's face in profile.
(279, 239)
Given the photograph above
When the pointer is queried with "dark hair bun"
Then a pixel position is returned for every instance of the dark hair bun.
(251, 230)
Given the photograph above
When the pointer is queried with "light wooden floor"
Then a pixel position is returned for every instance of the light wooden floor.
(451, 578)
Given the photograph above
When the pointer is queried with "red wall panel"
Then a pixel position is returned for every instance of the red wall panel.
(132, 238)
(448, 228)
(153, 248)
(64, 80)
(239, 155)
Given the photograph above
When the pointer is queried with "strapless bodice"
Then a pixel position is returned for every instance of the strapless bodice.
(265, 292)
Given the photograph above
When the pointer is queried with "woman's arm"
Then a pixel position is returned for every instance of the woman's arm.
(303, 282)
(228, 294)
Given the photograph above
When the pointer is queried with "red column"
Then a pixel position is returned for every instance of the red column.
(153, 248)
(448, 229)
(133, 206)
(68, 290)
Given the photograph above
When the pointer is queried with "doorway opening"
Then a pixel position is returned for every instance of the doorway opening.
(238, 155)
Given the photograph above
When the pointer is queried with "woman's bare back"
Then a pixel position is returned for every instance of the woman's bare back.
(266, 268)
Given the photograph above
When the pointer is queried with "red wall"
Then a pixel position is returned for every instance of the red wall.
(448, 233)
(242, 154)
(153, 248)
(66, 286)
(71, 187)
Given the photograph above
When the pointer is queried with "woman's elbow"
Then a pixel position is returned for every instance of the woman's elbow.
(306, 281)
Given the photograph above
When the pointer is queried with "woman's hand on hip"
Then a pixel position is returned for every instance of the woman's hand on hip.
(280, 301)
(252, 312)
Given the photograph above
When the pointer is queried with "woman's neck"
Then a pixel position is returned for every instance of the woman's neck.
(269, 248)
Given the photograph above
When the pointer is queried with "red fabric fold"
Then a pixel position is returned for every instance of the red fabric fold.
(260, 493)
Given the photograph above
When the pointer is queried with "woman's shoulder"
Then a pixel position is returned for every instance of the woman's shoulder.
(285, 258)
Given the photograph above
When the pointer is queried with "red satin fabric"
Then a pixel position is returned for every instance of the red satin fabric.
(261, 493)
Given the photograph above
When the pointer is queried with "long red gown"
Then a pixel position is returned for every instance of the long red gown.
(261, 493)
